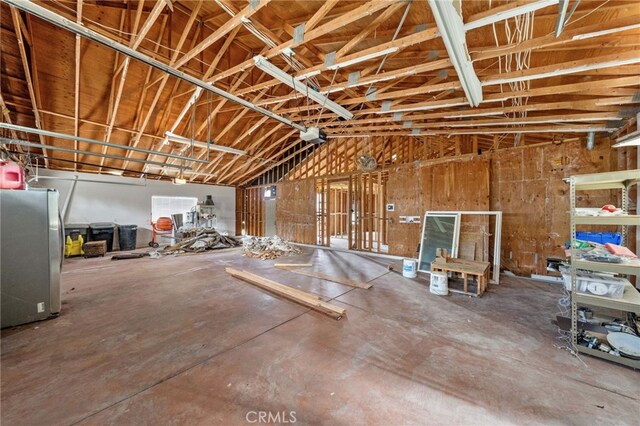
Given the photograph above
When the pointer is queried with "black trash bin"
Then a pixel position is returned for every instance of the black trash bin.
(103, 232)
(127, 236)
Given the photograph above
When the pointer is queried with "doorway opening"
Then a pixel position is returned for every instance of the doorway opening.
(351, 212)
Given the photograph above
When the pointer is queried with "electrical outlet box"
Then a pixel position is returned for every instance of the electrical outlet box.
(391, 207)
(40, 307)
(409, 219)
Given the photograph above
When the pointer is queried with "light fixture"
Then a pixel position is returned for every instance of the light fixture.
(307, 75)
(452, 30)
(179, 181)
(509, 13)
(421, 107)
(277, 73)
(473, 114)
(627, 59)
(472, 123)
(632, 139)
(181, 139)
(605, 32)
(189, 172)
(80, 30)
(364, 58)
(522, 130)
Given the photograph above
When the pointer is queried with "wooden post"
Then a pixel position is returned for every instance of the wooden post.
(349, 222)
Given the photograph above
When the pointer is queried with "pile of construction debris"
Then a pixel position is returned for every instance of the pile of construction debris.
(268, 248)
(205, 239)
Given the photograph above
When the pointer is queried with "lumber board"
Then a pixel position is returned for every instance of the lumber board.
(304, 298)
(280, 286)
(292, 265)
(463, 266)
(327, 277)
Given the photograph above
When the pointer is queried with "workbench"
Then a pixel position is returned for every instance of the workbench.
(479, 270)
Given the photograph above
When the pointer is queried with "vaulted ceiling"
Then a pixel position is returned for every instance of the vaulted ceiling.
(393, 73)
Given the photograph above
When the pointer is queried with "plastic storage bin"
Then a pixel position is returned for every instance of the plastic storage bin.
(597, 285)
(103, 232)
(600, 237)
(11, 175)
(127, 236)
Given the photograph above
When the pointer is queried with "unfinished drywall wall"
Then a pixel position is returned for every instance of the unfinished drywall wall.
(527, 186)
(130, 205)
(524, 183)
(404, 191)
(421, 187)
(296, 211)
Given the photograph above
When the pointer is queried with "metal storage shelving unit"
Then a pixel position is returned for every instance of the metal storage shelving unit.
(630, 301)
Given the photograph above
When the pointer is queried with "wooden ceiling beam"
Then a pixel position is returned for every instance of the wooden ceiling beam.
(591, 105)
(97, 124)
(7, 117)
(366, 9)
(209, 71)
(568, 36)
(382, 77)
(319, 15)
(542, 91)
(16, 18)
(143, 94)
(225, 172)
(237, 177)
(246, 13)
(599, 117)
(222, 102)
(379, 20)
(137, 38)
(76, 84)
(165, 77)
(607, 61)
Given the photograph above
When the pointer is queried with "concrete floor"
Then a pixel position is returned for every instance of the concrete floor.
(177, 341)
(343, 243)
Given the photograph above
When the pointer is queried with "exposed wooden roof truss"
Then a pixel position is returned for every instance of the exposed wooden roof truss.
(552, 71)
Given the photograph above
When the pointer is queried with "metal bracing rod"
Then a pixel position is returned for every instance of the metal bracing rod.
(7, 141)
(60, 21)
(93, 141)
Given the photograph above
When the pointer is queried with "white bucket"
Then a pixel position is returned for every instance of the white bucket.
(409, 267)
(439, 283)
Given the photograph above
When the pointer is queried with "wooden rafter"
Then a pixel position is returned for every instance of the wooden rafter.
(368, 8)
(76, 91)
(246, 13)
(137, 38)
(33, 93)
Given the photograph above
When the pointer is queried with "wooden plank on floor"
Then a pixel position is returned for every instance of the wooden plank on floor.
(293, 265)
(304, 298)
(327, 277)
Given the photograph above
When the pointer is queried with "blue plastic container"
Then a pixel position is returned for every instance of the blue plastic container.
(600, 237)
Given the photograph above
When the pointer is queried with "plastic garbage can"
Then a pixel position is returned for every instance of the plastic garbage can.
(103, 232)
(127, 236)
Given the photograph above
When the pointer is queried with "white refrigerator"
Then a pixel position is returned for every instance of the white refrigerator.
(31, 252)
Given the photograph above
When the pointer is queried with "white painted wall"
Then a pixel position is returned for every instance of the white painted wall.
(130, 205)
